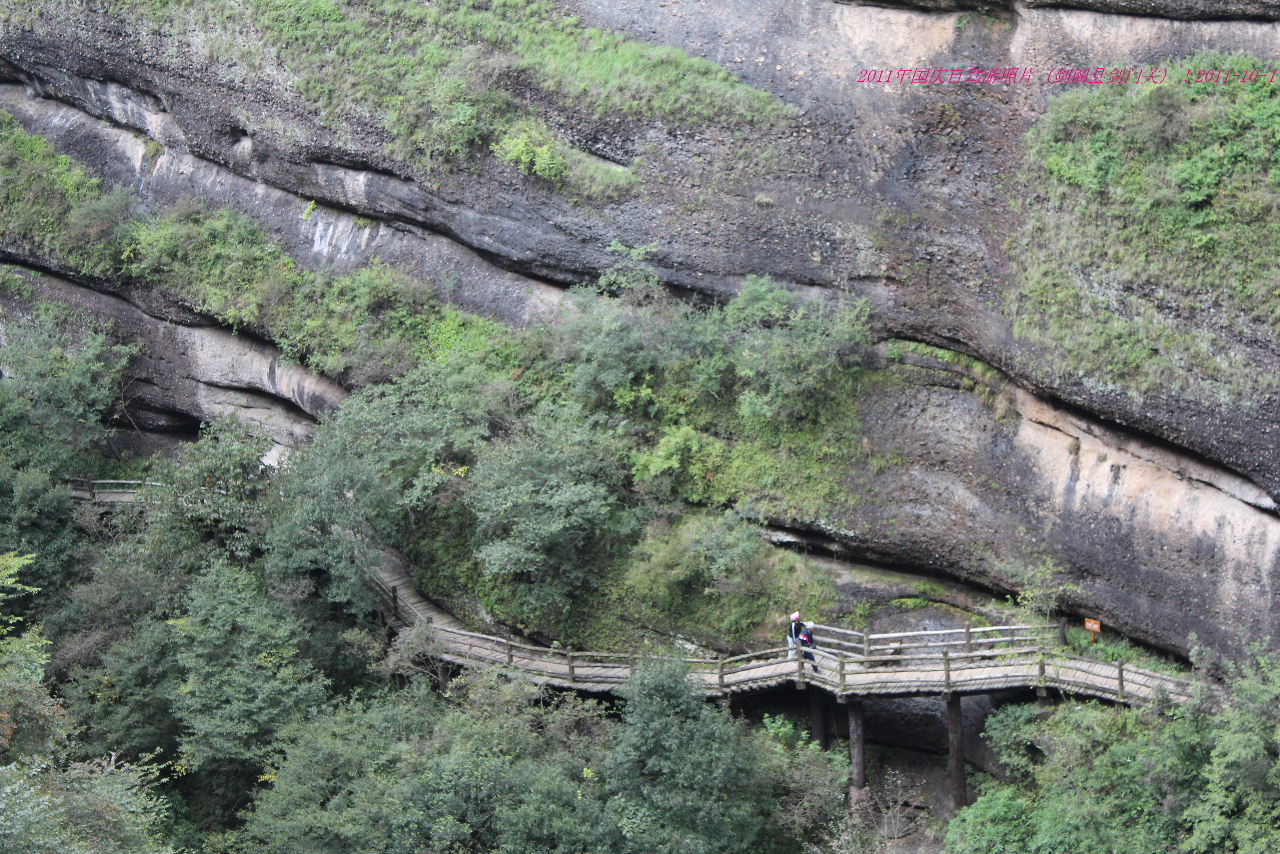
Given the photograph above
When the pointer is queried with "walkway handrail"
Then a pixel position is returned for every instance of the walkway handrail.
(846, 662)
(968, 637)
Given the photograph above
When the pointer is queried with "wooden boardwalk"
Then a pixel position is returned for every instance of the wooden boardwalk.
(848, 664)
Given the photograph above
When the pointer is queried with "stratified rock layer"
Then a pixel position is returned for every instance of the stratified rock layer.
(1160, 509)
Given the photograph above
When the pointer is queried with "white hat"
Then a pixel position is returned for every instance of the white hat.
(795, 616)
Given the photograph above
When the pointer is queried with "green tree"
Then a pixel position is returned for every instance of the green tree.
(682, 776)
(243, 675)
(791, 355)
(124, 703)
(58, 383)
(390, 469)
(31, 723)
(1238, 809)
(552, 515)
(714, 578)
(497, 767)
(58, 386)
(1108, 779)
(48, 805)
(83, 808)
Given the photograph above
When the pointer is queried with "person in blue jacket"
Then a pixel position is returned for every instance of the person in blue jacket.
(806, 643)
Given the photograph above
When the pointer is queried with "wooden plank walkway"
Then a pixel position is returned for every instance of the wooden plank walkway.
(848, 664)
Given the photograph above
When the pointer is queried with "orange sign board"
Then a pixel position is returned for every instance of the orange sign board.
(1092, 625)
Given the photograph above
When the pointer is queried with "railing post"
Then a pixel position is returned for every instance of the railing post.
(570, 658)
(1120, 677)
(799, 669)
(968, 636)
(1040, 668)
(395, 600)
(840, 666)
(720, 675)
(510, 655)
(946, 669)
(866, 645)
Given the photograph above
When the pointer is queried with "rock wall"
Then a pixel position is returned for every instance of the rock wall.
(1161, 511)
(1161, 545)
(189, 370)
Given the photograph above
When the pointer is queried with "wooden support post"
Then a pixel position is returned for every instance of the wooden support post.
(510, 654)
(857, 744)
(818, 718)
(968, 636)
(946, 670)
(1120, 677)
(570, 657)
(840, 665)
(720, 675)
(866, 645)
(1040, 671)
(799, 669)
(395, 600)
(955, 744)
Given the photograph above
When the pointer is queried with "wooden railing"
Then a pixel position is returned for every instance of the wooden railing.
(845, 662)
(107, 491)
(908, 664)
(967, 639)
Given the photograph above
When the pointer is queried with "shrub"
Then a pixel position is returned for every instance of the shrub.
(713, 577)
(552, 511)
(533, 151)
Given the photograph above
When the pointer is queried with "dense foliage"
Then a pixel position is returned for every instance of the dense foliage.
(219, 630)
(495, 767)
(1200, 778)
(521, 468)
(61, 378)
(50, 803)
(600, 480)
(1148, 248)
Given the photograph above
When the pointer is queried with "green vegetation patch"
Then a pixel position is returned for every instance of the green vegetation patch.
(499, 767)
(363, 326)
(521, 467)
(1198, 778)
(713, 578)
(453, 78)
(1150, 240)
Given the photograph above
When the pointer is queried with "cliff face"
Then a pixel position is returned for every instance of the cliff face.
(189, 370)
(1160, 506)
